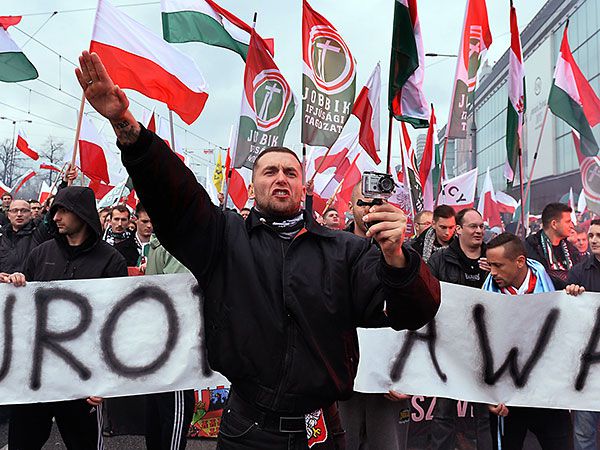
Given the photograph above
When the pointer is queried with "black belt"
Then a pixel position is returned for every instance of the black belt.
(267, 420)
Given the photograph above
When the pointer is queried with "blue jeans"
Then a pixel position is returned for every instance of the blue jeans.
(585, 426)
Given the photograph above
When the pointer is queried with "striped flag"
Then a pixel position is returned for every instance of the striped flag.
(14, 65)
(488, 205)
(22, 180)
(367, 110)
(407, 67)
(429, 170)
(24, 147)
(92, 159)
(516, 99)
(135, 58)
(573, 99)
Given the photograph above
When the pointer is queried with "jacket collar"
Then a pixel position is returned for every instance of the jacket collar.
(591, 262)
(310, 224)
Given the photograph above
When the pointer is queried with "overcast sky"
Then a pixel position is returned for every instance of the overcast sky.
(366, 25)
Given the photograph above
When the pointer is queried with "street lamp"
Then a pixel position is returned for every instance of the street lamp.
(11, 158)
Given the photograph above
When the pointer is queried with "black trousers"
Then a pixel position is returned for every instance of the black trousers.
(443, 425)
(238, 431)
(79, 423)
(168, 419)
(551, 427)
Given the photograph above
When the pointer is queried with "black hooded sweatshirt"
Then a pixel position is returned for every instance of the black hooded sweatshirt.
(57, 260)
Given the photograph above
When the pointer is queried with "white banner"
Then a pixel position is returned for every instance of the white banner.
(538, 350)
(110, 337)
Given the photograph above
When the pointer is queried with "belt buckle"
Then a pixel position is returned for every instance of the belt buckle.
(291, 421)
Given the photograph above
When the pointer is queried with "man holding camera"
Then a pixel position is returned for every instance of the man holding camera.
(284, 331)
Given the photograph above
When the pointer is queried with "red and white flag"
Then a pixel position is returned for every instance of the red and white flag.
(488, 205)
(92, 160)
(45, 192)
(367, 109)
(22, 180)
(429, 170)
(238, 186)
(50, 166)
(506, 204)
(24, 147)
(459, 192)
(136, 58)
(4, 189)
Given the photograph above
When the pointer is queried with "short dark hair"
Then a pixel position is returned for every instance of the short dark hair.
(460, 216)
(443, 211)
(579, 229)
(120, 208)
(328, 210)
(33, 200)
(513, 246)
(140, 209)
(275, 150)
(554, 211)
(245, 209)
(421, 214)
(7, 193)
(595, 222)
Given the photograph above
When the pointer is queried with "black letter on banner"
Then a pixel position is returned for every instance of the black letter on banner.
(141, 294)
(430, 336)
(8, 336)
(46, 338)
(590, 356)
(206, 370)
(519, 377)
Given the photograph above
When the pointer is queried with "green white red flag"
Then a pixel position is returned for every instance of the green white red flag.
(268, 105)
(14, 65)
(205, 21)
(367, 109)
(407, 67)
(573, 99)
(429, 170)
(328, 80)
(136, 58)
(476, 40)
(516, 99)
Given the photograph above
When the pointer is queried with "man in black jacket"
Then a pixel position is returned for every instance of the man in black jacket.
(439, 235)
(283, 295)
(550, 245)
(462, 262)
(76, 252)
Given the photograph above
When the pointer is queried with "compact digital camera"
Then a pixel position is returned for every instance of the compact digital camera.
(377, 185)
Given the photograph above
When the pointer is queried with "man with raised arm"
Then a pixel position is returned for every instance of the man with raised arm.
(283, 295)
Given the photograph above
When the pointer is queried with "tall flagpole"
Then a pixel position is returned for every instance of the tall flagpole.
(77, 133)
(172, 129)
(388, 165)
(406, 177)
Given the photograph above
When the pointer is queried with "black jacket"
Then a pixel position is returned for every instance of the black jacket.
(533, 246)
(129, 249)
(586, 274)
(280, 323)
(15, 246)
(448, 265)
(57, 260)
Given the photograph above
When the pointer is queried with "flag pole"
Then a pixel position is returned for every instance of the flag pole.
(303, 163)
(535, 155)
(172, 129)
(406, 178)
(522, 218)
(60, 174)
(332, 198)
(442, 165)
(77, 133)
(389, 148)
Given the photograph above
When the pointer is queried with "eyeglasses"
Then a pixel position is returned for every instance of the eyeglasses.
(19, 210)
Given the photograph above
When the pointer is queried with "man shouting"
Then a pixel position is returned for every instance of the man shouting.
(282, 295)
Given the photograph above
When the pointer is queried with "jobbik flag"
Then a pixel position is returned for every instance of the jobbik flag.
(14, 65)
(459, 192)
(328, 80)
(516, 99)
(268, 105)
(407, 67)
(136, 58)
(589, 167)
(573, 99)
(476, 40)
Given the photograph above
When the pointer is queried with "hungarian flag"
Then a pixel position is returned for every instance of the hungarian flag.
(45, 192)
(476, 40)
(488, 205)
(429, 170)
(367, 110)
(22, 180)
(205, 21)
(328, 80)
(407, 67)
(516, 99)
(136, 58)
(268, 105)
(24, 147)
(92, 160)
(14, 65)
(217, 176)
(410, 173)
(459, 192)
(573, 99)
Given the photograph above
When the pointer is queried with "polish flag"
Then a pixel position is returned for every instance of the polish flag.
(92, 160)
(238, 187)
(136, 58)
(506, 204)
(4, 189)
(367, 109)
(50, 166)
(22, 180)
(488, 205)
(45, 192)
(100, 189)
(23, 145)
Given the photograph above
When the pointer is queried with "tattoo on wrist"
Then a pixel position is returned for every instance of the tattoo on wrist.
(127, 132)
(122, 124)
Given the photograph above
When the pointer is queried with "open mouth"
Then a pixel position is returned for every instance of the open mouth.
(281, 193)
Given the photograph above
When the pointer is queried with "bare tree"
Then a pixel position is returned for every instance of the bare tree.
(53, 152)
(12, 162)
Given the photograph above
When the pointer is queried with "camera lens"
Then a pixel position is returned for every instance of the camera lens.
(386, 184)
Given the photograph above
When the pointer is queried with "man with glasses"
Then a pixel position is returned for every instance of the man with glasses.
(423, 221)
(19, 237)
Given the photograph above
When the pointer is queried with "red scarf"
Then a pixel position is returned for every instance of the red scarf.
(510, 290)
